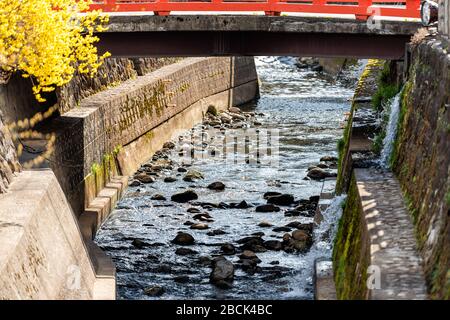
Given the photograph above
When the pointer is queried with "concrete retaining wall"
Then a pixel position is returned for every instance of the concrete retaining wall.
(42, 254)
(91, 135)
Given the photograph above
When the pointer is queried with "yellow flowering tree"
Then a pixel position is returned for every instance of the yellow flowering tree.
(49, 40)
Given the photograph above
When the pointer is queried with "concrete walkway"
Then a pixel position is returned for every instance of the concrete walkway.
(392, 239)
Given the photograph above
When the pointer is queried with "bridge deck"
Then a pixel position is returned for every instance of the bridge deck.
(218, 35)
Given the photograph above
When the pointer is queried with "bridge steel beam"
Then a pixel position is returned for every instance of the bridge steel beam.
(252, 43)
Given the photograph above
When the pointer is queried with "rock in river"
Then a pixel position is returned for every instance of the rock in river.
(186, 196)
(219, 186)
(199, 226)
(228, 249)
(281, 200)
(273, 245)
(222, 274)
(159, 197)
(144, 178)
(192, 175)
(154, 291)
(185, 251)
(184, 239)
(269, 194)
(319, 174)
(265, 224)
(267, 208)
(169, 179)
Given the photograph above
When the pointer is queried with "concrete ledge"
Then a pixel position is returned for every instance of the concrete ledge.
(392, 243)
(100, 207)
(42, 254)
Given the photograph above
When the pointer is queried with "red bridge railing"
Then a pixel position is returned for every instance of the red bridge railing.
(362, 9)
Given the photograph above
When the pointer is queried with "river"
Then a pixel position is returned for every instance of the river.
(304, 110)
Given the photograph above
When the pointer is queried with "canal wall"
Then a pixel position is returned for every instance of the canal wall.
(424, 174)
(102, 130)
(395, 224)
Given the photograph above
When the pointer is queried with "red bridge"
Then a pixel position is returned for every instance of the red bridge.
(142, 28)
(361, 9)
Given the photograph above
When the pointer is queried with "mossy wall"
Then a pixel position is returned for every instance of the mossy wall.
(421, 159)
(351, 249)
(365, 88)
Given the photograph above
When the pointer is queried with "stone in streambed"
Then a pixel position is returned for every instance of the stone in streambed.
(292, 213)
(144, 178)
(218, 186)
(267, 208)
(269, 194)
(281, 229)
(193, 210)
(158, 197)
(273, 245)
(154, 291)
(184, 239)
(217, 232)
(228, 249)
(199, 226)
(181, 169)
(134, 183)
(328, 158)
(139, 243)
(265, 224)
(243, 205)
(185, 251)
(192, 175)
(222, 274)
(300, 235)
(185, 196)
(281, 200)
(320, 174)
(181, 279)
(169, 179)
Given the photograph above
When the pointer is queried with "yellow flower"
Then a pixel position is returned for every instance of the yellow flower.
(49, 40)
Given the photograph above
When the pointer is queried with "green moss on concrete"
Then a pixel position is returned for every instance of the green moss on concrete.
(350, 255)
(387, 87)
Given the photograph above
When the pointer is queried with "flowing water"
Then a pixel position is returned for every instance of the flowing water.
(305, 109)
(391, 131)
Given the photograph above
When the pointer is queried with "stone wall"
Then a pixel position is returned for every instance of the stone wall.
(9, 163)
(90, 136)
(113, 72)
(422, 159)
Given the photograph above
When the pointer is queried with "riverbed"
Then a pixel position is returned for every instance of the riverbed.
(303, 110)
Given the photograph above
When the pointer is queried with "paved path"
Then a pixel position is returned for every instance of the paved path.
(391, 231)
